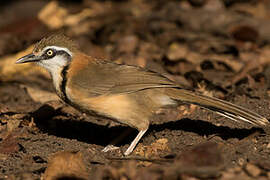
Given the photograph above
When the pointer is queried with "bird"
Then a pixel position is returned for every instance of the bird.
(124, 93)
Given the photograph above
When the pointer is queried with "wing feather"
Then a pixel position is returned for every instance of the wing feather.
(110, 78)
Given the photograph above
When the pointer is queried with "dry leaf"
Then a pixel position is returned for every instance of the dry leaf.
(73, 20)
(177, 51)
(253, 170)
(160, 145)
(128, 44)
(53, 15)
(9, 145)
(12, 124)
(203, 155)
(41, 96)
(8, 68)
(259, 10)
(66, 165)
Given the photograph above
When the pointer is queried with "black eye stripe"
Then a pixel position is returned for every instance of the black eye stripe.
(64, 53)
(55, 52)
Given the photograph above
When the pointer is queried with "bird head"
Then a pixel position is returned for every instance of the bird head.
(53, 53)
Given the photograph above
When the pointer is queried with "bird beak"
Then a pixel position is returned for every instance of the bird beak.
(28, 58)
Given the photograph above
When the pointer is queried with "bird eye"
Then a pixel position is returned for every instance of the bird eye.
(50, 52)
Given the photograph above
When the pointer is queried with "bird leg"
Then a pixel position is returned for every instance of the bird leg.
(135, 142)
(131, 147)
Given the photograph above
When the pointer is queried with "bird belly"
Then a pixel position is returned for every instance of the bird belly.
(121, 108)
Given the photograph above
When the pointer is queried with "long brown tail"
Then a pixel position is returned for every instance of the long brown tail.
(227, 109)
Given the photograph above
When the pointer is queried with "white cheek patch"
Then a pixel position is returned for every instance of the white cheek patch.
(54, 64)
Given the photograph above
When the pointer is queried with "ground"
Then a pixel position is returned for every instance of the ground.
(215, 47)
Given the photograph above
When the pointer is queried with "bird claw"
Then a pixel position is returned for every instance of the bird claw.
(110, 148)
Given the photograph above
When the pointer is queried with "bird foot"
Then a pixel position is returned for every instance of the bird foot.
(110, 147)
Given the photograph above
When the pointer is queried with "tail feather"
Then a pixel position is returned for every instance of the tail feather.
(224, 108)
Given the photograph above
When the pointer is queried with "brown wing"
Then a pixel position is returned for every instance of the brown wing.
(110, 78)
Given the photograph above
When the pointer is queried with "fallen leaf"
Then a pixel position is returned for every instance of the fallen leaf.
(177, 51)
(128, 44)
(8, 68)
(73, 20)
(66, 165)
(253, 170)
(12, 124)
(153, 150)
(203, 155)
(53, 15)
(245, 33)
(9, 145)
(41, 96)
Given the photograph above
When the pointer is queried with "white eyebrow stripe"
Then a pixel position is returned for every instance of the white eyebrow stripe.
(58, 49)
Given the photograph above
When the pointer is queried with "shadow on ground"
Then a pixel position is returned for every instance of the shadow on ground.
(49, 121)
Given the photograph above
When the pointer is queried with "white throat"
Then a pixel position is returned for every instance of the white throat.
(55, 65)
(54, 68)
